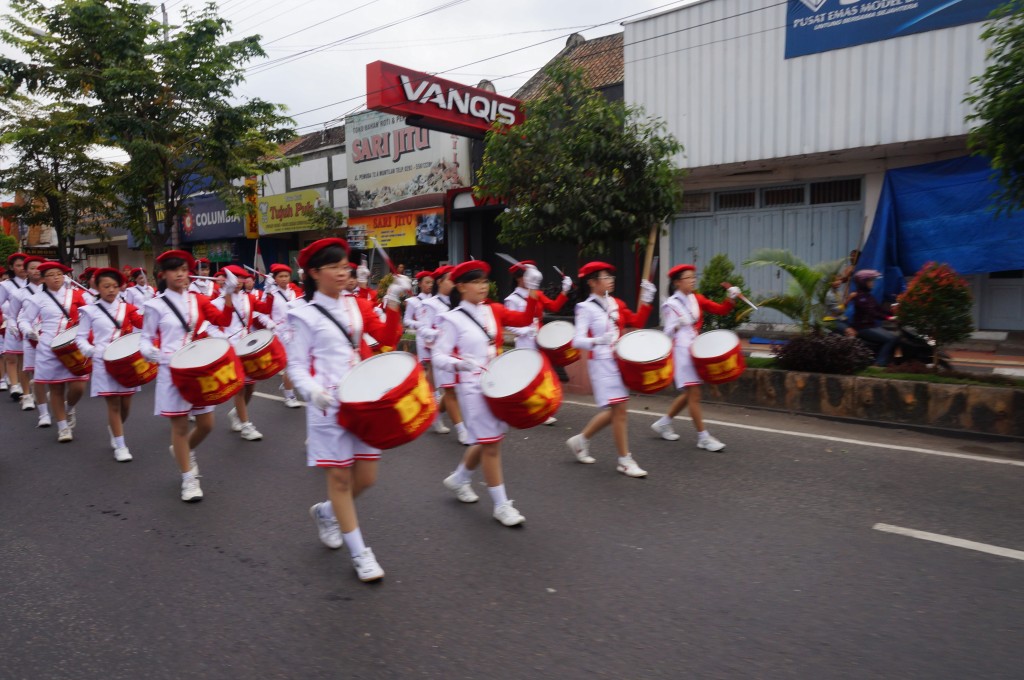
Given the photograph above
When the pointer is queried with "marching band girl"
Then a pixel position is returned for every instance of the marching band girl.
(172, 320)
(203, 286)
(283, 295)
(415, 319)
(12, 351)
(470, 337)
(600, 320)
(57, 307)
(682, 317)
(444, 379)
(139, 292)
(328, 339)
(526, 336)
(34, 393)
(106, 320)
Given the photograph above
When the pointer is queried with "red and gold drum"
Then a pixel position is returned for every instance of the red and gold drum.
(262, 354)
(66, 349)
(555, 341)
(645, 360)
(124, 362)
(207, 372)
(386, 400)
(521, 388)
(717, 356)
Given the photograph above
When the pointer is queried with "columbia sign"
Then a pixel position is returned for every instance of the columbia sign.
(431, 102)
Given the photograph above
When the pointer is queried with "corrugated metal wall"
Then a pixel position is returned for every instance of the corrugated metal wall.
(812, 233)
(715, 72)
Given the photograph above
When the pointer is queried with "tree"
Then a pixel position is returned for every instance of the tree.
(996, 102)
(8, 246)
(326, 219)
(62, 184)
(938, 304)
(167, 100)
(580, 169)
(720, 269)
(806, 300)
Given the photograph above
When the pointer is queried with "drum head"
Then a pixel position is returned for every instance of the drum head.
(200, 353)
(124, 346)
(555, 334)
(371, 379)
(714, 344)
(644, 345)
(255, 342)
(511, 372)
(64, 338)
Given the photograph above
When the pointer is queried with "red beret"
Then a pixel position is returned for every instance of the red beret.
(240, 272)
(316, 246)
(469, 266)
(135, 272)
(29, 259)
(678, 270)
(50, 264)
(14, 256)
(111, 272)
(180, 254)
(423, 275)
(442, 270)
(520, 267)
(353, 266)
(591, 267)
(203, 260)
(87, 273)
(278, 268)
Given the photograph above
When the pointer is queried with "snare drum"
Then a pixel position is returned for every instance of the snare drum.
(66, 349)
(645, 360)
(125, 364)
(521, 388)
(717, 356)
(262, 354)
(386, 401)
(555, 341)
(207, 372)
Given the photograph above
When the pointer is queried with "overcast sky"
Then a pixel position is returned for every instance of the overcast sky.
(463, 39)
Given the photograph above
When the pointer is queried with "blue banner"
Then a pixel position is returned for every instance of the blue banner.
(814, 26)
(206, 218)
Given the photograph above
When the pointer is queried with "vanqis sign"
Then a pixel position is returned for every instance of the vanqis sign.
(436, 103)
(814, 26)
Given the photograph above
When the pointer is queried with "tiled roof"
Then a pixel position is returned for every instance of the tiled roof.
(315, 140)
(600, 58)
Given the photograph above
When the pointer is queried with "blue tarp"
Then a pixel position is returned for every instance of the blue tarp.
(941, 212)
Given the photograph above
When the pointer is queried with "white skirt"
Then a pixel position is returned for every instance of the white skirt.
(606, 381)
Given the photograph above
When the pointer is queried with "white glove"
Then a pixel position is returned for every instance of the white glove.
(566, 284)
(269, 324)
(733, 292)
(87, 351)
(467, 365)
(402, 285)
(606, 339)
(230, 283)
(647, 292)
(381, 314)
(362, 274)
(149, 353)
(429, 335)
(32, 335)
(532, 278)
(322, 399)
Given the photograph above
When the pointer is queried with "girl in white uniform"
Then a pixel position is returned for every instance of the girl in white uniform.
(57, 307)
(470, 337)
(416, 320)
(34, 394)
(600, 320)
(279, 289)
(328, 340)
(172, 320)
(11, 349)
(682, 317)
(140, 293)
(106, 320)
(444, 379)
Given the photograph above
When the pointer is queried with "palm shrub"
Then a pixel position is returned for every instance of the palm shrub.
(937, 303)
(719, 269)
(805, 301)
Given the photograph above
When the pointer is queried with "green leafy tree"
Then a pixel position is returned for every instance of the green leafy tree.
(996, 103)
(719, 269)
(806, 300)
(8, 246)
(580, 169)
(938, 303)
(326, 219)
(164, 96)
(51, 165)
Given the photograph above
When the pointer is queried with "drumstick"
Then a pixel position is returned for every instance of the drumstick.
(741, 296)
(650, 252)
(559, 271)
(68, 279)
(202, 278)
(383, 254)
(254, 271)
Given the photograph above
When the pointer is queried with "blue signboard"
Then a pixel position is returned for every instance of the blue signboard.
(814, 26)
(206, 218)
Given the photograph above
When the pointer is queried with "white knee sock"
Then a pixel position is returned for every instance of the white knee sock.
(460, 428)
(44, 410)
(119, 441)
(498, 494)
(664, 420)
(354, 541)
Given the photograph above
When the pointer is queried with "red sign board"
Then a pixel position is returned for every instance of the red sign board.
(435, 103)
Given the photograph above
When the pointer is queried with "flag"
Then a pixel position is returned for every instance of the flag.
(257, 260)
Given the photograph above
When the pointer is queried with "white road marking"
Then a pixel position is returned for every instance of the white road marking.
(841, 440)
(272, 397)
(951, 540)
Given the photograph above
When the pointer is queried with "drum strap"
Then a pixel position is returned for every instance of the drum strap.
(117, 326)
(184, 324)
(338, 324)
(59, 305)
(490, 338)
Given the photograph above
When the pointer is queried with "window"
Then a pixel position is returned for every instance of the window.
(696, 203)
(836, 191)
(736, 200)
(782, 196)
